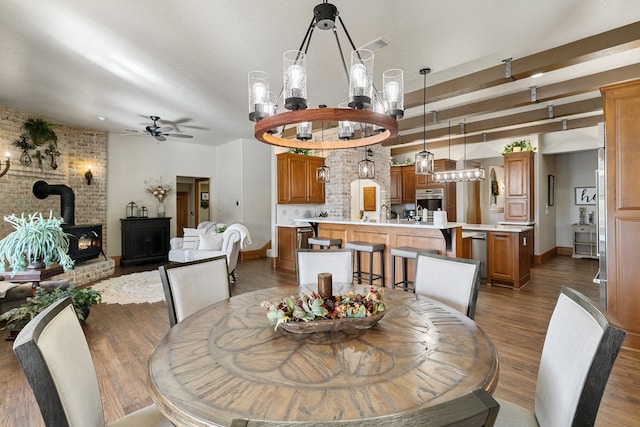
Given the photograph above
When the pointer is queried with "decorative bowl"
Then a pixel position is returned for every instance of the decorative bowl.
(329, 325)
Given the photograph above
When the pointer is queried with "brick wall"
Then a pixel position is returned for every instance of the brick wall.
(79, 148)
(344, 170)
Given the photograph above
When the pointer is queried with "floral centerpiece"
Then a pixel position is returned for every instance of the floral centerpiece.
(313, 307)
(160, 191)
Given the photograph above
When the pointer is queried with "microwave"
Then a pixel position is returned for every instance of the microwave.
(431, 199)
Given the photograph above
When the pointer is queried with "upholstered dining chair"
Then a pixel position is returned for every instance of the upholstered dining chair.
(475, 409)
(55, 357)
(338, 262)
(578, 353)
(452, 281)
(191, 286)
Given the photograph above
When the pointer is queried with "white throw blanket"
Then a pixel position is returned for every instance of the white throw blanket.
(245, 239)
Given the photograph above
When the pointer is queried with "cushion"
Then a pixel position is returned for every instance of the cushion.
(211, 242)
(191, 238)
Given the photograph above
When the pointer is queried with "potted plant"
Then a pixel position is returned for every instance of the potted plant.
(40, 132)
(35, 242)
(82, 298)
(518, 146)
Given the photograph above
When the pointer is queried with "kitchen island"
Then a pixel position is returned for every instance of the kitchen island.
(446, 240)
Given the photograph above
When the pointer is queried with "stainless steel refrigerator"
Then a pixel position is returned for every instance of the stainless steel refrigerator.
(601, 212)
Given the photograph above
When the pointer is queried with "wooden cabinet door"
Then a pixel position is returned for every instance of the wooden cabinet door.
(315, 189)
(518, 176)
(298, 175)
(409, 184)
(287, 243)
(369, 197)
(396, 185)
(500, 261)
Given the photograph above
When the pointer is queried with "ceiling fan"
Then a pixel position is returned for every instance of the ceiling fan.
(160, 133)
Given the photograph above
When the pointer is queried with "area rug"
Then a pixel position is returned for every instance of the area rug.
(132, 288)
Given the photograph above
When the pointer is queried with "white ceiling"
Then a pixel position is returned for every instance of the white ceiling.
(73, 60)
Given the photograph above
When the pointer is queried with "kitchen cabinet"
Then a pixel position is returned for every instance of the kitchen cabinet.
(508, 262)
(144, 240)
(395, 190)
(408, 184)
(621, 111)
(519, 195)
(287, 245)
(297, 179)
(584, 241)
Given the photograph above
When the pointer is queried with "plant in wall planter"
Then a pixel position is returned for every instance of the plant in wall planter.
(25, 144)
(40, 132)
(518, 146)
(35, 242)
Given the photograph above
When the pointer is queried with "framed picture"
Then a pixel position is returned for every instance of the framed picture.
(204, 196)
(585, 195)
(551, 190)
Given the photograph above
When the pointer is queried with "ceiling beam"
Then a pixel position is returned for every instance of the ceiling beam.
(588, 49)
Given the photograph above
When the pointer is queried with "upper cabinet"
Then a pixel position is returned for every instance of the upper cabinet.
(519, 195)
(403, 184)
(297, 179)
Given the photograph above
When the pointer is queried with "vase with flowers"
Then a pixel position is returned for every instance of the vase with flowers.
(160, 190)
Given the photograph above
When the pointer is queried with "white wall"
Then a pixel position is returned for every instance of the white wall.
(134, 159)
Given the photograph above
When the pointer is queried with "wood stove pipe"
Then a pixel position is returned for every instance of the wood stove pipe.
(42, 190)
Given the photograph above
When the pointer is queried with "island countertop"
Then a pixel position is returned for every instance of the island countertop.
(391, 223)
(499, 228)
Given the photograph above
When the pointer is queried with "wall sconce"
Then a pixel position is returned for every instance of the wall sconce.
(88, 175)
(6, 165)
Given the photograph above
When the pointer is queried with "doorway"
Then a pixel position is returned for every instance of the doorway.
(193, 197)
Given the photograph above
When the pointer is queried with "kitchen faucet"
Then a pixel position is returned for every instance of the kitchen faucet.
(387, 208)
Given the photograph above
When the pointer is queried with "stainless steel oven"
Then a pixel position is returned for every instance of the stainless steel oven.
(431, 199)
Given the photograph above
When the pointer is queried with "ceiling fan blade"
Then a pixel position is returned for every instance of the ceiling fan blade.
(160, 138)
(179, 135)
(164, 129)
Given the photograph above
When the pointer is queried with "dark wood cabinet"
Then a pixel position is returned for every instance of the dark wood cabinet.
(408, 184)
(144, 240)
(518, 197)
(297, 179)
(395, 191)
(287, 244)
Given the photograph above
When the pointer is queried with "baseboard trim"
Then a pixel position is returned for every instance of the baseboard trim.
(256, 253)
(563, 251)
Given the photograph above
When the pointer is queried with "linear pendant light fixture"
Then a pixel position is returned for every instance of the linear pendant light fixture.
(462, 175)
(377, 113)
(424, 159)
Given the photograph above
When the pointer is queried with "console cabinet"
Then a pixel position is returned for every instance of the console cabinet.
(144, 240)
(297, 179)
(585, 241)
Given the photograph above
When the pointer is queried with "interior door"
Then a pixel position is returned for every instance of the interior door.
(182, 212)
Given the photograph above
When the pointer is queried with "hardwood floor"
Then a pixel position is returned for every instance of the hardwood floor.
(121, 338)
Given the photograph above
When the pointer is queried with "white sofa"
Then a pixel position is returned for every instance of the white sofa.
(205, 242)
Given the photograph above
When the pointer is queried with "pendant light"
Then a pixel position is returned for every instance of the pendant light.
(366, 168)
(322, 172)
(424, 159)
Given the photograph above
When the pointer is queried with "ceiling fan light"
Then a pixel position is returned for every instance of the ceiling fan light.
(295, 80)
(361, 79)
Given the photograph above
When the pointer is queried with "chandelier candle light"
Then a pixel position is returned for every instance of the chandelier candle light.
(376, 125)
(462, 175)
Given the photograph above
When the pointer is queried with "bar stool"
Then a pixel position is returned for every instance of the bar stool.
(405, 253)
(371, 249)
(324, 242)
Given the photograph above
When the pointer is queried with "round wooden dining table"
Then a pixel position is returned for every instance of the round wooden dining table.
(227, 362)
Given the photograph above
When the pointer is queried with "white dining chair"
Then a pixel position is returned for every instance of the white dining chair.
(452, 281)
(578, 353)
(338, 262)
(56, 360)
(191, 286)
(474, 409)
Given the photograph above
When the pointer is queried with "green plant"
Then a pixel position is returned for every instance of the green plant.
(82, 298)
(523, 145)
(304, 151)
(35, 239)
(40, 132)
(220, 229)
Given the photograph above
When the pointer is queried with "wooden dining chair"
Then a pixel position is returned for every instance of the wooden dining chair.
(452, 281)
(474, 409)
(578, 353)
(338, 262)
(55, 357)
(191, 286)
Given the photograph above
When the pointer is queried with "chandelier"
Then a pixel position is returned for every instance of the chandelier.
(424, 159)
(368, 117)
(459, 175)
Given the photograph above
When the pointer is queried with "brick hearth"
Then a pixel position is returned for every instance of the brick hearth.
(88, 271)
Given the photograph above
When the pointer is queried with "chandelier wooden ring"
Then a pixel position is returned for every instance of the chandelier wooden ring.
(262, 128)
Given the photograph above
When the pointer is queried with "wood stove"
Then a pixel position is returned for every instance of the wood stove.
(85, 241)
